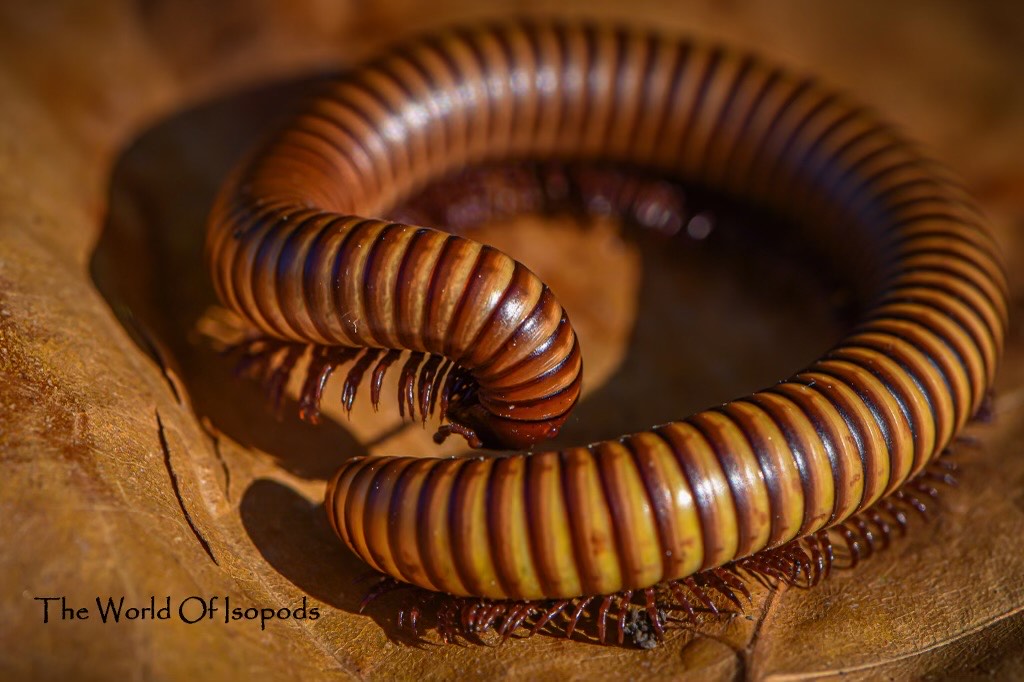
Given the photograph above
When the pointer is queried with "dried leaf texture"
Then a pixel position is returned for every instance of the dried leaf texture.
(134, 464)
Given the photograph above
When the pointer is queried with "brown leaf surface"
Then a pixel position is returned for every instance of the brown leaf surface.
(135, 465)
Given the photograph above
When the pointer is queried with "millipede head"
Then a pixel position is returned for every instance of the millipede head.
(482, 429)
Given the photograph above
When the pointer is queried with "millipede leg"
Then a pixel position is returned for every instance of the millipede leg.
(355, 377)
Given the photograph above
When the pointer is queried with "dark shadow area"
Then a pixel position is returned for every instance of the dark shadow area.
(295, 538)
(717, 318)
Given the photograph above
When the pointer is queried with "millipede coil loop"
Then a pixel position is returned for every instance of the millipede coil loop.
(293, 248)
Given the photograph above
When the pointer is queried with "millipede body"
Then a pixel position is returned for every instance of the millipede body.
(294, 247)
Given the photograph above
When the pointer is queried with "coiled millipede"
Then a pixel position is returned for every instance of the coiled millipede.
(674, 508)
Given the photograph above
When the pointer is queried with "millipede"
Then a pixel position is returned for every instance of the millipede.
(655, 524)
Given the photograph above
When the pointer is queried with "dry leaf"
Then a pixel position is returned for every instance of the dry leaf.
(135, 465)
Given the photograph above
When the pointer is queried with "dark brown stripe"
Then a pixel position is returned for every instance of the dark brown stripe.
(829, 439)
(537, 505)
(798, 447)
(660, 499)
(769, 473)
(702, 492)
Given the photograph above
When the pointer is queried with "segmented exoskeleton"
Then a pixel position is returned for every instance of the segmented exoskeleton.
(293, 248)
